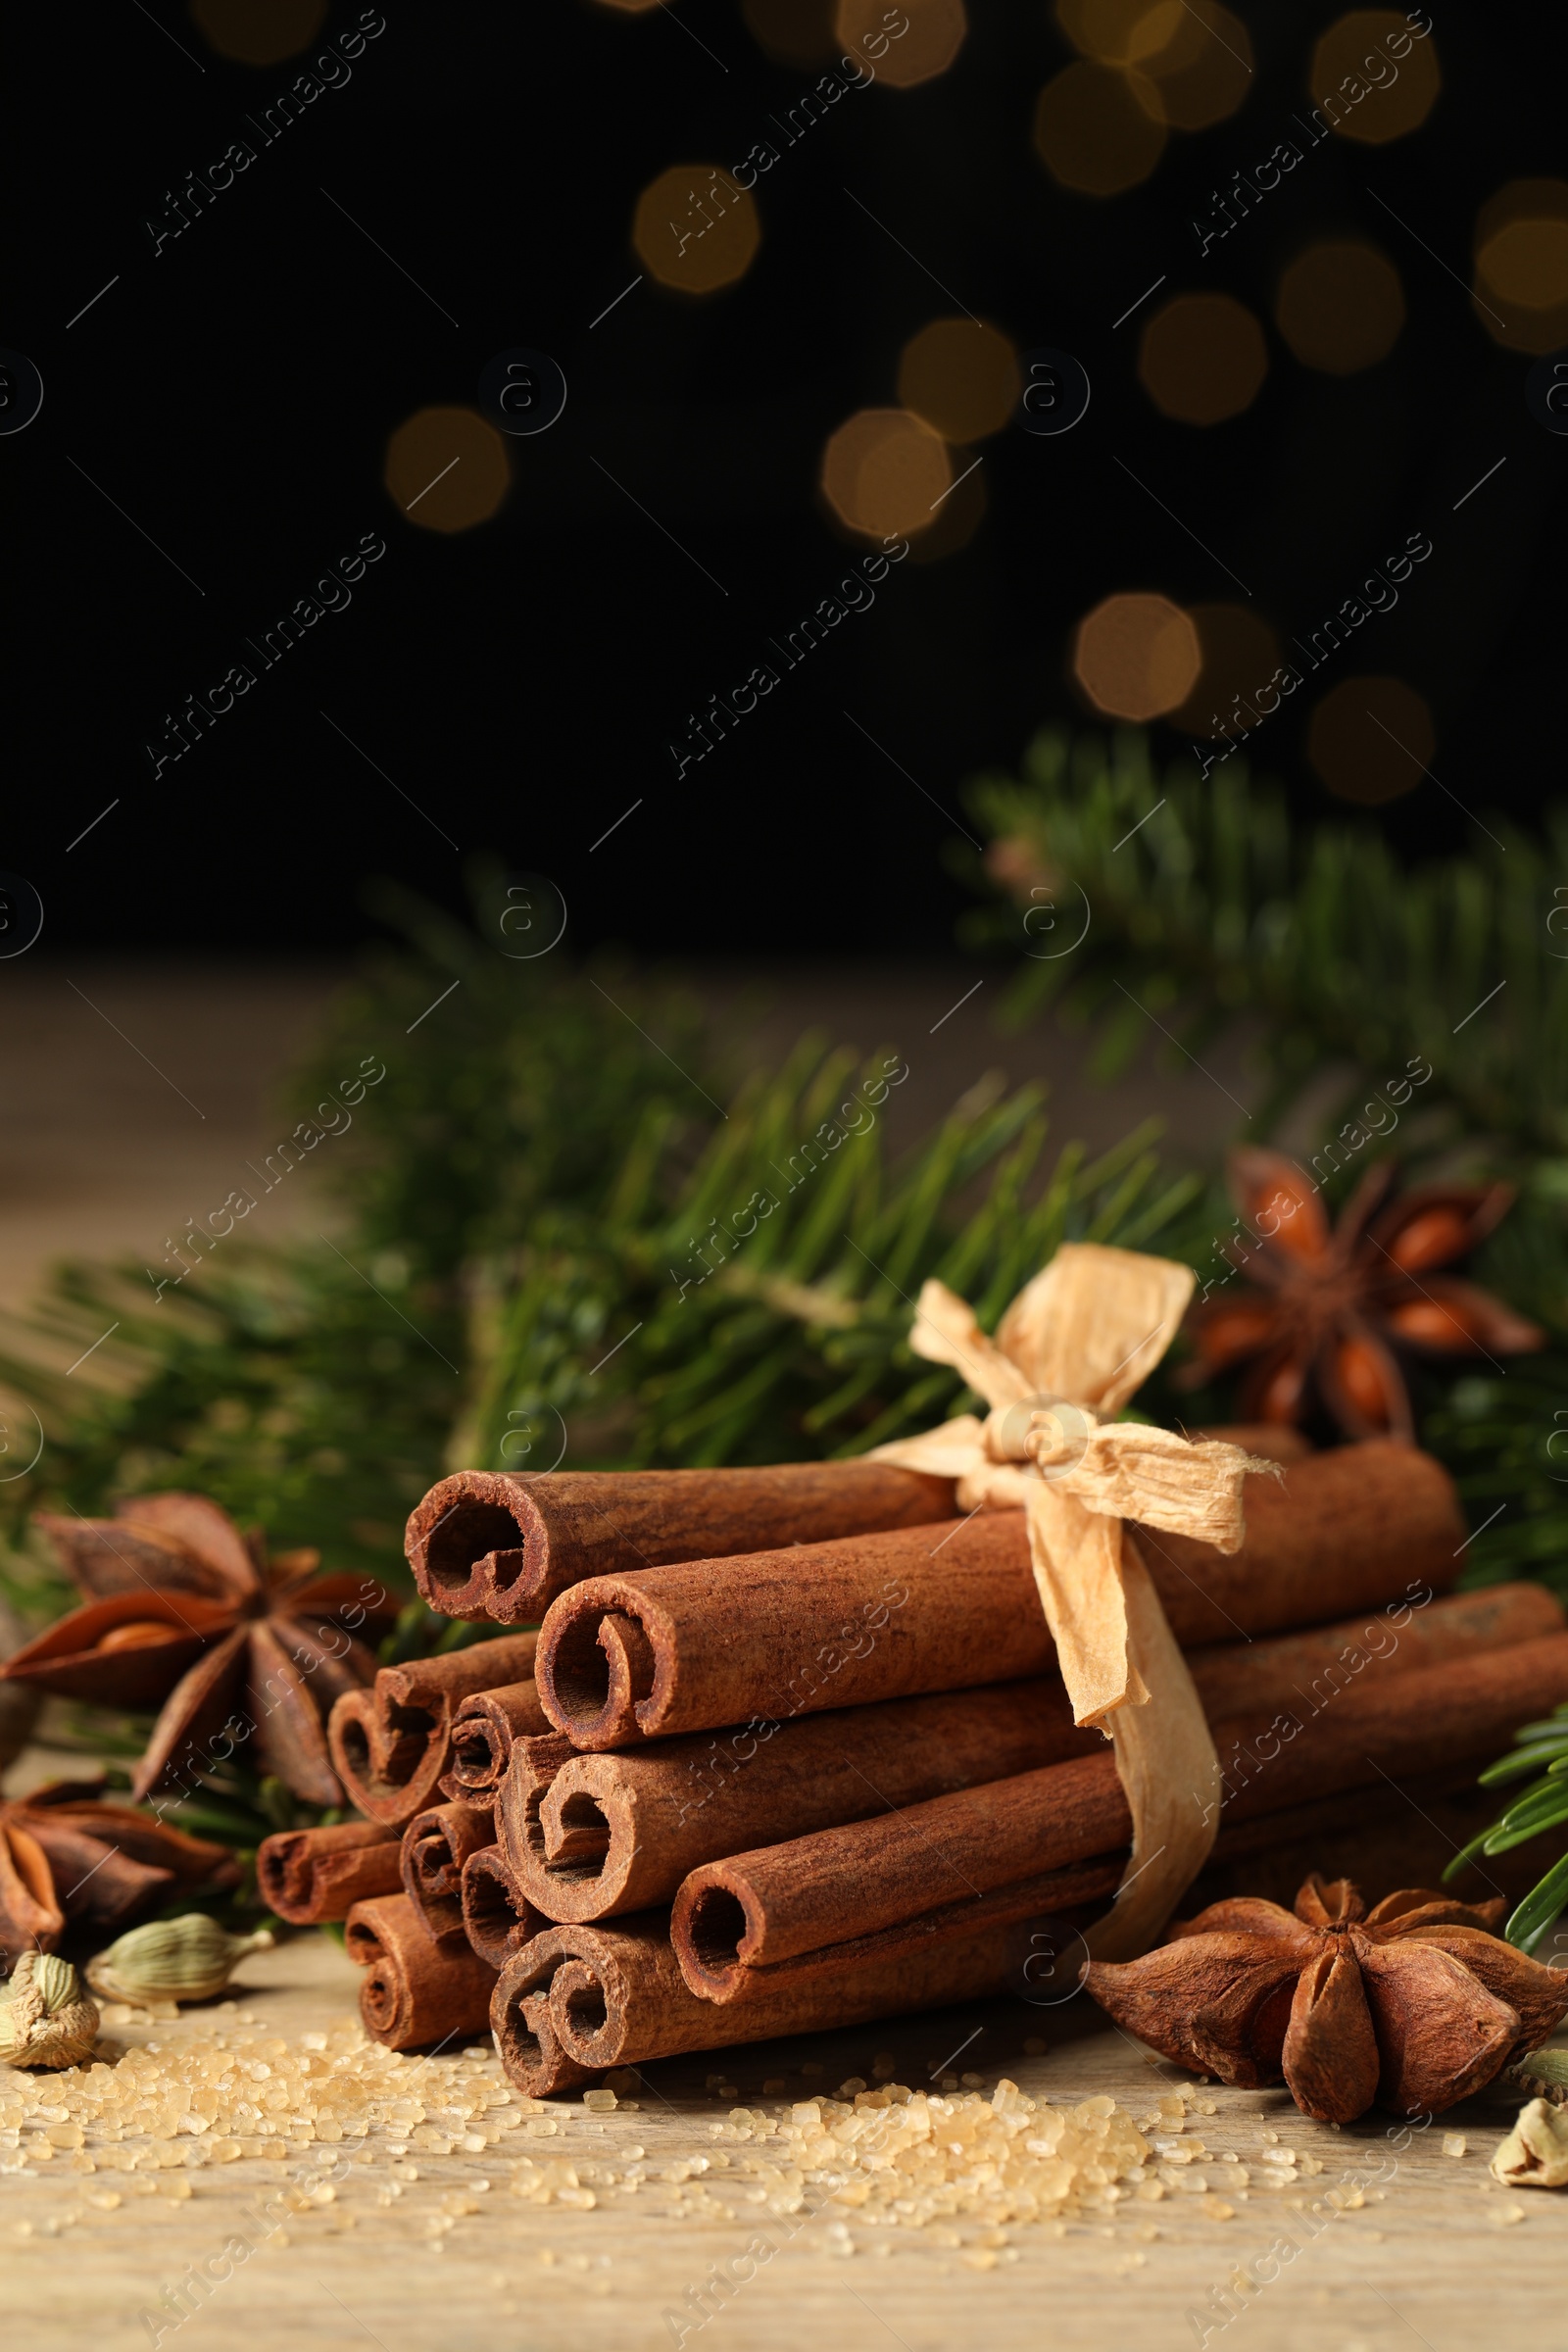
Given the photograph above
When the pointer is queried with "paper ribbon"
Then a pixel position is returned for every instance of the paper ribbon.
(1074, 1346)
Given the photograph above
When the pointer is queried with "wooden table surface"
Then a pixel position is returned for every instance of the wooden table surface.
(1439, 2256)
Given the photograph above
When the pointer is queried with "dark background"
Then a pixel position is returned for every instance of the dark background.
(521, 681)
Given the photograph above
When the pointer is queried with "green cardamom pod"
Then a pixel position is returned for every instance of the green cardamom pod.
(45, 2016)
(187, 1959)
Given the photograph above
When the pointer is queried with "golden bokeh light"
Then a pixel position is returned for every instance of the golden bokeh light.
(885, 473)
(1371, 738)
(447, 470)
(258, 32)
(792, 33)
(1194, 71)
(959, 516)
(1239, 657)
(1372, 78)
(1092, 134)
(694, 230)
(1136, 656)
(1341, 306)
(1120, 32)
(935, 35)
(1521, 244)
(1203, 357)
(1188, 63)
(961, 377)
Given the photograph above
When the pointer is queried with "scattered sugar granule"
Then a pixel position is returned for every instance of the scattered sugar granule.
(1453, 2143)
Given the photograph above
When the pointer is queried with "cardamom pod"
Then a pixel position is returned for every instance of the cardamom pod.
(1535, 2154)
(186, 1959)
(45, 2016)
(1543, 2074)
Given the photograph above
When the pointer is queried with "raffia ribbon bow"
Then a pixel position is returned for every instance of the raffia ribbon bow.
(1074, 1346)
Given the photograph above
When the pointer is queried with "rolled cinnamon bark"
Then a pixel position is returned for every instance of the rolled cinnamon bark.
(1341, 1530)
(483, 1729)
(435, 1847)
(735, 1920)
(941, 1608)
(390, 1744)
(589, 1837)
(308, 1875)
(589, 1997)
(488, 1545)
(416, 1991)
(813, 1893)
(1239, 1678)
(793, 1631)
(497, 1916)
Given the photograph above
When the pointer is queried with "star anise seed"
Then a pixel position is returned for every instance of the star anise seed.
(185, 1615)
(1331, 1307)
(66, 1858)
(1414, 2004)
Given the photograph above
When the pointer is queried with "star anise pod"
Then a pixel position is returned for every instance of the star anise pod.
(187, 1615)
(1332, 1304)
(68, 1859)
(1413, 2004)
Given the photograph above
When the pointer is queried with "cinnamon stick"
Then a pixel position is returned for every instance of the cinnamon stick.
(435, 1847)
(483, 1729)
(738, 1921)
(485, 1544)
(497, 1916)
(390, 1744)
(947, 1607)
(589, 1837)
(308, 1875)
(1341, 1530)
(1236, 1678)
(734, 1921)
(578, 2000)
(416, 1991)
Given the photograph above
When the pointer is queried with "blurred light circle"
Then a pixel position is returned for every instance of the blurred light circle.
(1387, 102)
(1136, 656)
(959, 516)
(962, 377)
(1240, 654)
(1120, 32)
(1092, 134)
(632, 8)
(258, 32)
(1521, 248)
(1203, 357)
(935, 35)
(884, 473)
(1526, 263)
(792, 33)
(447, 470)
(694, 230)
(1370, 739)
(1199, 73)
(1341, 306)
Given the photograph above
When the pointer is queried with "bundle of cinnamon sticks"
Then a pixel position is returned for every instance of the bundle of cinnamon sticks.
(789, 1750)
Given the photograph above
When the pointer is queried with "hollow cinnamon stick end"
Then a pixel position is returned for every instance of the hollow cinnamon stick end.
(712, 1931)
(529, 2050)
(497, 1916)
(309, 1875)
(478, 1548)
(596, 1666)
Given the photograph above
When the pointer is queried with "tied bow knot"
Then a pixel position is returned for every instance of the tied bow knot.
(1077, 1341)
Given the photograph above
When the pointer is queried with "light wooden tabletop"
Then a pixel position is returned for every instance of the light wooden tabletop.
(1439, 2255)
